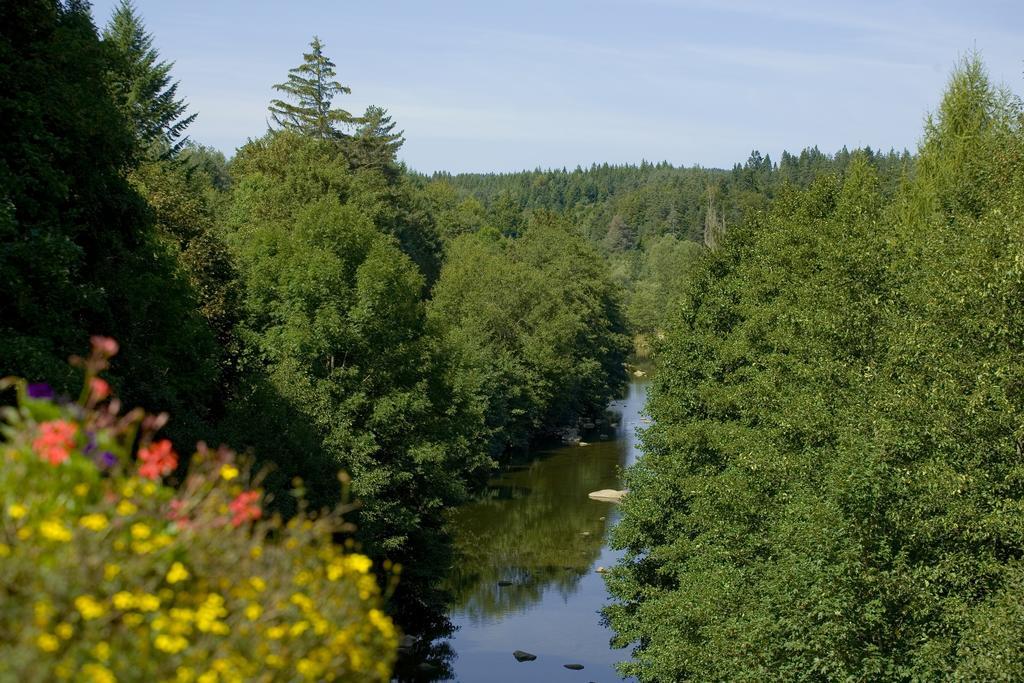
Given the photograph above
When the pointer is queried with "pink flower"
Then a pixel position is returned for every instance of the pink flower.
(55, 441)
(100, 388)
(105, 346)
(158, 459)
(245, 507)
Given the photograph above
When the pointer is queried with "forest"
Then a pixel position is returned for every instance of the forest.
(831, 487)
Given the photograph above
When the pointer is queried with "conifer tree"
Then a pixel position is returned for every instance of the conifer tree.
(312, 87)
(377, 143)
(141, 85)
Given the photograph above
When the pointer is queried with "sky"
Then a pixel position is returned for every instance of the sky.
(502, 86)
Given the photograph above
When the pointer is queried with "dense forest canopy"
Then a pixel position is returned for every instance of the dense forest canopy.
(832, 486)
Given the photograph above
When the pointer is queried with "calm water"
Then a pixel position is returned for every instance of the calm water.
(538, 531)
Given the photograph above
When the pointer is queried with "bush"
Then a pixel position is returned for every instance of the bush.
(109, 573)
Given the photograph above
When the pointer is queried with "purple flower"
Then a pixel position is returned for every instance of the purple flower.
(106, 459)
(40, 390)
(90, 442)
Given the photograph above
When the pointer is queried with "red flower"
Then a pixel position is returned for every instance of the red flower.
(104, 345)
(245, 507)
(158, 459)
(55, 441)
(100, 388)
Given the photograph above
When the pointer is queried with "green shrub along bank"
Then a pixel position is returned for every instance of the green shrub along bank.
(832, 489)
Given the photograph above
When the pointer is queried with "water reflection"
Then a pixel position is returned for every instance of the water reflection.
(523, 575)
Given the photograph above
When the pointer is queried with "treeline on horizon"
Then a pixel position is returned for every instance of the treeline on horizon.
(651, 221)
(833, 488)
(298, 301)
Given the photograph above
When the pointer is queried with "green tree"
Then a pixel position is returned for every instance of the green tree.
(312, 88)
(376, 144)
(831, 487)
(141, 85)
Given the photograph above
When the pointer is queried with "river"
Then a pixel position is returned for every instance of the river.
(526, 557)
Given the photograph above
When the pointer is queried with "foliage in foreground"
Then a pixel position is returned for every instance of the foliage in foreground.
(834, 488)
(107, 573)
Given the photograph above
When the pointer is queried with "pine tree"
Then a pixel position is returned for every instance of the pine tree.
(312, 88)
(141, 85)
(377, 143)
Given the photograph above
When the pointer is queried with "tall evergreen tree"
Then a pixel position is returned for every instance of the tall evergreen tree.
(312, 87)
(141, 85)
(376, 142)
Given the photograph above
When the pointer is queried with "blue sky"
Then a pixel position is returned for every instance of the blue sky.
(491, 86)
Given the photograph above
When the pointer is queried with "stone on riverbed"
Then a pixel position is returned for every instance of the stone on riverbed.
(607, 495)
(523, 656)
(574, 667)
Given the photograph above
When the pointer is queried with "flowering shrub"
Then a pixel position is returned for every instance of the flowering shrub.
(107, 573)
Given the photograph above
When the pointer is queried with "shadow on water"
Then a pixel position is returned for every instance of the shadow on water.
(524, 559)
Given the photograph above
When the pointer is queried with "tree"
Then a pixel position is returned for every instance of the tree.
(376, 143)
(312, 88)
(831, 488)
(80, 253)
(141, 85)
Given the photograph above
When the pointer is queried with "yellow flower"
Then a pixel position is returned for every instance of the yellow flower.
(253, 611)
(228, 472)
(89, 607)
(43, 612)
(101, 651)
(359, 563)
(5, 550)
(308, 669)
(24, 533)
(48, 642)
(177, 573)
(124, 600)
(170, 644)
(382, 623)
(147, 602)
(276, 632)
(258, 583)
(208, 677)
(110, 571)
(140, 531)
(184, 675)
(126, 507)
(93, 522)
(256, 551)
(275, 661)
(182, 614)
(148, 489)
(53, 530)
(298, 628)
(17, 510)
(64, 630)
(301, 601)
(80, 490)
(97, 673)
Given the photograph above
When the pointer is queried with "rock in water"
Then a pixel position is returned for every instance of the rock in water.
(504, 583)
(574, 667)
(523, 656)
(608, 495)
